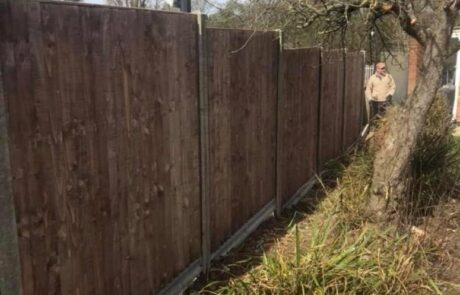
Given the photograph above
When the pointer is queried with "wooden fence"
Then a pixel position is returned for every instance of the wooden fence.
(138, 145)
(298, 119)
(242, 98)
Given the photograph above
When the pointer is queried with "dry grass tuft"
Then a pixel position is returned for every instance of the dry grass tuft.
(337, 251)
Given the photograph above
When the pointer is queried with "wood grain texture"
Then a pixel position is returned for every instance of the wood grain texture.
(331, 106)
(364, 107)
(104, 146)
(353, 103)
(104, 138)
(16, 74)
(298, 119)
(242, 99)
(204, 142)
(10, 268)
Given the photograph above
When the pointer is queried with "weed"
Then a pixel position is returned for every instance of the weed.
(337, 251)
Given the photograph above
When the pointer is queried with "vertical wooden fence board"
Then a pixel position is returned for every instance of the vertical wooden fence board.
(219, 93)
(10, 270)
(360, 85)
(364, 115)
(279, 104)
(353, 97)
(242, 99)
(103, 138)
(104, 146)
(16, 66)
(331, 106)
(204, 141)
(299, 119)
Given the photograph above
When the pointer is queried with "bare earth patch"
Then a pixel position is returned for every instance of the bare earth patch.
(444, 230)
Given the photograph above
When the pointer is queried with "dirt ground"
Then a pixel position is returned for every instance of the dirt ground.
(444, 229)
(249, 254)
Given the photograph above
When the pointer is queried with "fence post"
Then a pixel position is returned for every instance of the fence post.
(204, 141)
(10, 272)
(318, 133)
(344, 99)
(279, 117)
(364, 104)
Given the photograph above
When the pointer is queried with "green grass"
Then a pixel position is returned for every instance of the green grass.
(339, 260)
(337, 250)
(435, 166)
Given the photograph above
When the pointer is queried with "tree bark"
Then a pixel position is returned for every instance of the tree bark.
(431, 23)
(392, 160)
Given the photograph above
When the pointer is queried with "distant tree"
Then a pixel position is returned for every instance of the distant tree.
(197, 5)
(130, 3)
(431, 23)
(283, 14)
(375, 25)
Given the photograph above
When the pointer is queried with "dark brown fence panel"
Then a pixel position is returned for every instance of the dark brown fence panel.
(353, 100)
(242, 100)
(103, 140)
(331, 106)
(103, 133)
(298, 119)
(364, 104)
(12, 19)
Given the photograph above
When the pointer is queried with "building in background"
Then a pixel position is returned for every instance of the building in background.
(404, 67)
(451, 75)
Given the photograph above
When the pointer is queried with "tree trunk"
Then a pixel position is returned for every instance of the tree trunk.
(392, 161)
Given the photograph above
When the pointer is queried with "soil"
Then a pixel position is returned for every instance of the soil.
(442, 229)
(249, 254)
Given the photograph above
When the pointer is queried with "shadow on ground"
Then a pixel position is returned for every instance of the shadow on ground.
(249, 254)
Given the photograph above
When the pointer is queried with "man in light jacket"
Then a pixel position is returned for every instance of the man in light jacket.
(380, 89)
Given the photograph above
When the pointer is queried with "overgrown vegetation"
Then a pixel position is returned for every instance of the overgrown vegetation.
(378, 38)
(435, 165)
(337, 250)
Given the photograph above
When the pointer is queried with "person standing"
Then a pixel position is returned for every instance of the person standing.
(379, 90)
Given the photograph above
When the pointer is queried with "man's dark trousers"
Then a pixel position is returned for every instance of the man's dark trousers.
(377, 107)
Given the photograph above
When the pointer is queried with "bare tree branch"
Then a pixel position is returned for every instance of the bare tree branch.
(337, 13)
(384, 44)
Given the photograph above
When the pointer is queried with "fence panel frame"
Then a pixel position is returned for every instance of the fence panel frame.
(308, 105)
(235, 141)
(329, 123)
(352, 98)
(204, 141)
(10, 266)
(28, 9)
(279, 104)
(10, 272)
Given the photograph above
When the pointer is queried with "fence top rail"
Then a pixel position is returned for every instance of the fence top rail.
(354, 52)
(68, 3)
(303, 49)
(335, 50)
(245, 30)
